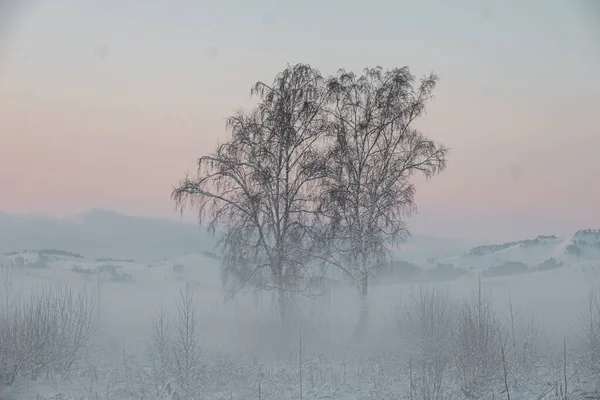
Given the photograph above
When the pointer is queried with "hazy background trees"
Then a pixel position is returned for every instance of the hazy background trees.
(318, 173)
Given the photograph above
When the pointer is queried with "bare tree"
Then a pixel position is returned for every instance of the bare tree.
(374, 153)
(260, 185)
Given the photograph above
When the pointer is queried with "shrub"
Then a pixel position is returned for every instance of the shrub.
(211, 254)
(178, 268)
(402, 270)
(508, 268)
(477, 351)
(45, 334)
(40, 262)
(174, 351)
(427, 326)
(396, 271)
(56, 252)
(573, 250)
(550, 263)
(444, 272)
(159, 351)
(427, 323)
(589, 333)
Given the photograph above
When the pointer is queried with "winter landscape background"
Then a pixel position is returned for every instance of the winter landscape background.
(129, 268)
(318, 161)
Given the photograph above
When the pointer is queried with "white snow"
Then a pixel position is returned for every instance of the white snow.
(244, 354)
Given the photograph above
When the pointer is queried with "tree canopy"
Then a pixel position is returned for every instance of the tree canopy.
(318, 173)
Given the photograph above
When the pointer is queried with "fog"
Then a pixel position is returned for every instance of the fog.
(299, 200)
(243, 350)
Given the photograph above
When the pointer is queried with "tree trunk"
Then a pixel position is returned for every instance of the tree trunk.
(282, 304)
(361, 327)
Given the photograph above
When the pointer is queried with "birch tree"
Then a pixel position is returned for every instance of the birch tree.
(260, 186)
(375, 150)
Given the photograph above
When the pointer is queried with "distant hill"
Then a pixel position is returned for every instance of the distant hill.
(541, 240)
(101, 233)
(419, 248)
(582, 248)
(108, 234)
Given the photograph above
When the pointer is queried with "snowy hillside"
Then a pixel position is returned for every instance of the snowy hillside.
(527, 255)
(105, 239)
(102, 233)
(199, 270)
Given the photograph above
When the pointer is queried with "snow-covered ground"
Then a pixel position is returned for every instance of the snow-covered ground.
(247, 354)
(242, 352)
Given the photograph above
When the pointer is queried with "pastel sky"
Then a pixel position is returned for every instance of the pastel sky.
(107, 103)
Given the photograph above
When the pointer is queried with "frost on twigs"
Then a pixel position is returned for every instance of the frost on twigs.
(45, 334)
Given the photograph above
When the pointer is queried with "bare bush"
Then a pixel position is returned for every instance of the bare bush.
(427, 328)
(45, 334)
(427, 323)
(531, 338)
(5, 285)
(477, 351)
(521, 346)
(428, 380)
(186, 346)
(175, 351)
(160, 352)
(589, 333)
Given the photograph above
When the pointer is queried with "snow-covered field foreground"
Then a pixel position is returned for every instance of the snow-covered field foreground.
(425, 341)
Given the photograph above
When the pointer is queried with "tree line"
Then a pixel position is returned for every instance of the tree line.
(316, 175)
